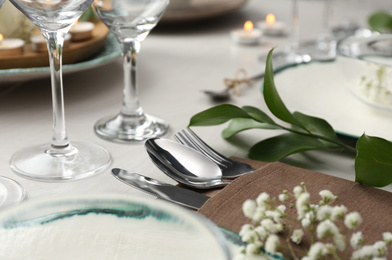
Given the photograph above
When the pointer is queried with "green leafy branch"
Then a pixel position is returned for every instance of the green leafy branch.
(373, 160)
(381, 21)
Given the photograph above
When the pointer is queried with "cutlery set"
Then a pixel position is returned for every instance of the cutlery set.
(189, 161)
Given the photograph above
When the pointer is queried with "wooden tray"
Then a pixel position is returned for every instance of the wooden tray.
(76, 52)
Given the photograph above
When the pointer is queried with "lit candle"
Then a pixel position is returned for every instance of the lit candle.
(81, 31)
(247, 35)
(272, 27)
(10, 47)
(38, 43)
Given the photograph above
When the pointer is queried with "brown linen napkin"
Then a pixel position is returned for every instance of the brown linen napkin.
(374, 205)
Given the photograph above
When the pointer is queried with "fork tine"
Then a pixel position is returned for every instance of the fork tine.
(201, 145)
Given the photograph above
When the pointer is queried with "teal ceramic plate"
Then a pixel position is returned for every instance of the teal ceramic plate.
(108, 227)
(110, 52)
(321, 89)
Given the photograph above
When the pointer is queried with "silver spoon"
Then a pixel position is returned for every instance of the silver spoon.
(185, 165)
(224, 95)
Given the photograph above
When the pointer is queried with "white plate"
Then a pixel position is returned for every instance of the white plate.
(110, 52)
(107, 226)
(321, 89)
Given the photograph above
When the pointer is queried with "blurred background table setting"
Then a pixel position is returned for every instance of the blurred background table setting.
(298, 90)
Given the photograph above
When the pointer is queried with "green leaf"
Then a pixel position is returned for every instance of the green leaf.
(258, 115)
(317, 126)
(217, 115)
(272, 98)
(373, 164)
(240, 124)
(380, 21)
(281, 146)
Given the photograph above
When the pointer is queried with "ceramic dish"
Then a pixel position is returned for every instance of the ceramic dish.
(320, 89)
(108, 53)
(108, 227)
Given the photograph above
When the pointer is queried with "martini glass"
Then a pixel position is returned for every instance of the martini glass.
(10, 191)
(59, 160)
(130, 21)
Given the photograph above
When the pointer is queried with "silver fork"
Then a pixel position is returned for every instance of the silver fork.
(230, 168)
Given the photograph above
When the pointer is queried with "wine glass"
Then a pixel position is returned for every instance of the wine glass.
(291, 54)
(324, 47)
(130, 21)
(59, 160)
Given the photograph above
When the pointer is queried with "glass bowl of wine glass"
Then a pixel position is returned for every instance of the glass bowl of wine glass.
(367, 65)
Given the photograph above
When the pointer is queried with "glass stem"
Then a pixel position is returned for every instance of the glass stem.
(295, 26)
(131, 105)
(326, 20)
(55, 42)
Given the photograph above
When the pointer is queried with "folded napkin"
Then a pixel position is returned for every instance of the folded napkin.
(225, 206)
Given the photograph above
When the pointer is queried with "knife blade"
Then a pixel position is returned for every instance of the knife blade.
(161, 190)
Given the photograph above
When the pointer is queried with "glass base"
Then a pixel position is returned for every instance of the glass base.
(11, 192)
(280, 59)
(125, 129)
(322, 50)
(40, 162)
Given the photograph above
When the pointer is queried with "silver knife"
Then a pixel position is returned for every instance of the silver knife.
(161, 190)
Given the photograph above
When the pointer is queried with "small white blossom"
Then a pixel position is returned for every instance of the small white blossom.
(250, 236)
(281, 209)
(262, 199)
(297, 191)
(381, 248)
(352, 220)
(327, 196)
(249, 208)
(283, 197)
(270, 226)
(297, 236)
(317, 250)
(324, 212)
(305, 222)
(302, 204)
(275, 215)
(253, 248)
(327, 228)
(339, 241)
(387, 236)
(259, 214)
(338, 212)
(246, 228)
(262, 232)
(272, 243)
(365, 252)
(356, 240)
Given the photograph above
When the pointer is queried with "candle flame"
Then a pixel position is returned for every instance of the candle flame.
(1, 37)
(248, 26)
(270, 19)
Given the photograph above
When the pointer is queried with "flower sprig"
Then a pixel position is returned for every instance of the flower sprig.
(329, 229)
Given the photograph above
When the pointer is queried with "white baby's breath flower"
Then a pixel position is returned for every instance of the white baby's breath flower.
(387, 236)
(339, 241)
(338, 212)
(324, 212)
(253, 248)
(317, 250)
(302, 204)
(270, 226)
(283, 197)
(246, 228)
(305, 222)
(381, 248)
(297, 236)
(327, 228)
(297, 191)
(275, 215)
(327, 196)
(281, 209)
(356, 240)
(365, 252)
(249, 208)
(250, 236)
(272, 243)
(262, 232)
(262, 199)
(259, 214)
(352, 220)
